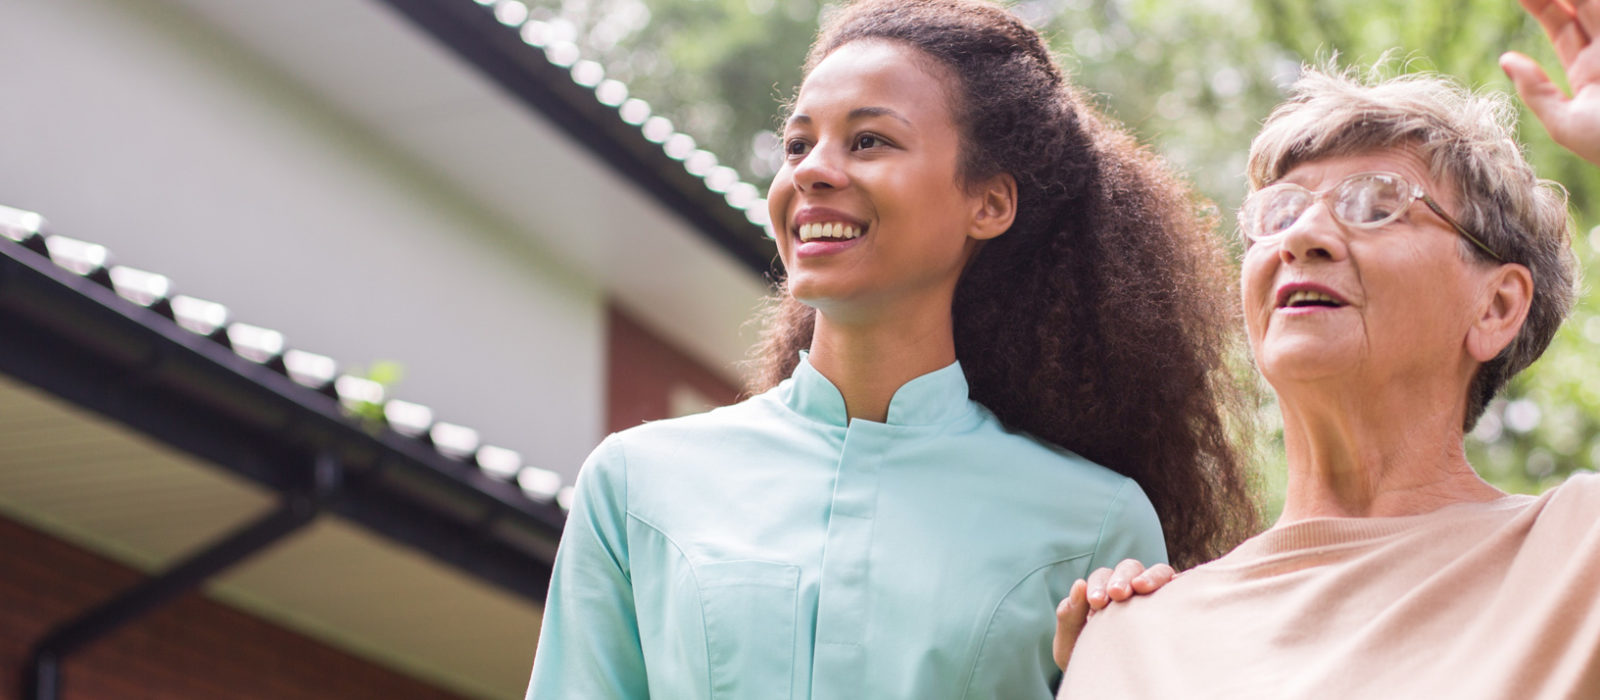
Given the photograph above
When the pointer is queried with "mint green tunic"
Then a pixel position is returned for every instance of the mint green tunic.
(775, 549)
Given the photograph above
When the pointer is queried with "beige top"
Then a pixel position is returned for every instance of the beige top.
(1476, 600)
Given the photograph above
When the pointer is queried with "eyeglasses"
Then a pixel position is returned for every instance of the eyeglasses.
(1363, 200)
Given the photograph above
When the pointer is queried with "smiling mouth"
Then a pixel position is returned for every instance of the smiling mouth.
(1306, 298)
(831, 231)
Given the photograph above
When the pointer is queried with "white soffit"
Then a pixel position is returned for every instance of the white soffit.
(91, 481)
(373, 66)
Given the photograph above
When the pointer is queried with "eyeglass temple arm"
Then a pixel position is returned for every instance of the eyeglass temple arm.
(1459, 228)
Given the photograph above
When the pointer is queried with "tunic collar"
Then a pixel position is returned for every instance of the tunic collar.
(935, 398)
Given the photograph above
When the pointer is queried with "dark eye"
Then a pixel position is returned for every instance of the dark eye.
(1370, 200)
(1365, 207)
(866, 141)
(796, 147)
(1280, 209)
(1277, 222)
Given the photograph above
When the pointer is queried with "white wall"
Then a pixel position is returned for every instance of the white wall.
(133, 125)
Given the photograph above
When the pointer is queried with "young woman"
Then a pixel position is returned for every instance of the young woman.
(989, 290)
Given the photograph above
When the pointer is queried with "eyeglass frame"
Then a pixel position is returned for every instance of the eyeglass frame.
(1415, 192)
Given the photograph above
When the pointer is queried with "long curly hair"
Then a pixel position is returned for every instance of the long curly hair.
(1102, 320)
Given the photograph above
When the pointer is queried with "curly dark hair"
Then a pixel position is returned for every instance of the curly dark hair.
(1102, 321)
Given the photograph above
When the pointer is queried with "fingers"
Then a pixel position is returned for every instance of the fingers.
(1153, 579)
(1561, 24)
(1098, 596)
(1107, 585)
(1588, 13)
(1543, 97)
(1121, 585)
(1071, 615)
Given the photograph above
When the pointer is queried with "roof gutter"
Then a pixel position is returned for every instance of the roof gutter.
(75, 332)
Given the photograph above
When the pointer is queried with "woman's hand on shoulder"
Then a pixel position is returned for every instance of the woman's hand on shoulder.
(1572, 27)
(1103, 587)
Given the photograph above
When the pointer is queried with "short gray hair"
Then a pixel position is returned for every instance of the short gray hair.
(1467, 141)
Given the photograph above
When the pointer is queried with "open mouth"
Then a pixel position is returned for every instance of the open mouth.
(1307, 298)
(832, 231)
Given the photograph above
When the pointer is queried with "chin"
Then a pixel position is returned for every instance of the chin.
(807, 291)
(1305, 355)
(818, 297)
(1304, 365)
(821, 289)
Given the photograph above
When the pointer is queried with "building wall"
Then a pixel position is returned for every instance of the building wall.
(649, 379)
(190, 648)
(135, 125)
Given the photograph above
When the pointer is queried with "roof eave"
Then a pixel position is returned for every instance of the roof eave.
(471, 31)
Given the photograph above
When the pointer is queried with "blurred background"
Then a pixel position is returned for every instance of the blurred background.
(397, 265)
(1194, 80)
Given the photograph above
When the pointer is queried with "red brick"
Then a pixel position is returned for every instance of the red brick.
(192, 647)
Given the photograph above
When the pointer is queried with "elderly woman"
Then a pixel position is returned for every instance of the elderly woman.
(1402, 263)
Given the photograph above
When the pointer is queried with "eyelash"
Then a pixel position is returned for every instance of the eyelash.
(790, 145)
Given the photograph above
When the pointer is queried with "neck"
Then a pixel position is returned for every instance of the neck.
(1371, 451)
(869, 360)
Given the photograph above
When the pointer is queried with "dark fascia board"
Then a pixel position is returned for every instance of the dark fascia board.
(471, 30)
(72, 335)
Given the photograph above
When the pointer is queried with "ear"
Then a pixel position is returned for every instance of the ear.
(1508, 292)
(995, 207)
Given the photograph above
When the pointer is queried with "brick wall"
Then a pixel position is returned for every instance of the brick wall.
(643, 370)
(189, 648)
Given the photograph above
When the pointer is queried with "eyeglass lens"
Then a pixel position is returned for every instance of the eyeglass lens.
(1364, 200)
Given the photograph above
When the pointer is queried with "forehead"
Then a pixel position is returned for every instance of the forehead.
(878, 74)
(1406, 162)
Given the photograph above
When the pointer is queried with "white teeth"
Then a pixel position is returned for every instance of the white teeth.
(811, 232)
(1307, 296)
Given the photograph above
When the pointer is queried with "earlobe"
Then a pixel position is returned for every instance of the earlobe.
(1508, 293)
(996, 207)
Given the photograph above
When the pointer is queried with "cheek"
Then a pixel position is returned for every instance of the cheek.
(933, 207)
(1418, 312)
(1255, 278)
(778, 197)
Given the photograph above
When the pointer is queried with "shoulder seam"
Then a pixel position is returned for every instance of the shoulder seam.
(1105, 518)
(693, 575)
(988, 628)
(615, 440)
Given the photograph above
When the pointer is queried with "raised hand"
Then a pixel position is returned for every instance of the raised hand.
(1574, 122)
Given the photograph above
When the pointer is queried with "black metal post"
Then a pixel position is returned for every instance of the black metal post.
(42, 677)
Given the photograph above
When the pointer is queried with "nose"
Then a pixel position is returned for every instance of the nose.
(821, 169)
(1315, 235)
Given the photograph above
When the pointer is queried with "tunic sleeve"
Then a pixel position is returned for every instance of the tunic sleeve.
(1131, 530)
(589, 640)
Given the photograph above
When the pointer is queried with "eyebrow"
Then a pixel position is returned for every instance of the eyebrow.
(857, 113)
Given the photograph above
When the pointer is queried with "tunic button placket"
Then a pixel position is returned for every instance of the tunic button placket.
(844, 606)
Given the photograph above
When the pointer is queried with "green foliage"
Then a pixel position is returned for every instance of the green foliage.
(386, 373)
(1193, 79)
(718, 68)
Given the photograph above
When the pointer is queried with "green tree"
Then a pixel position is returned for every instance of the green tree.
(719, 69)
(1210, 72)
